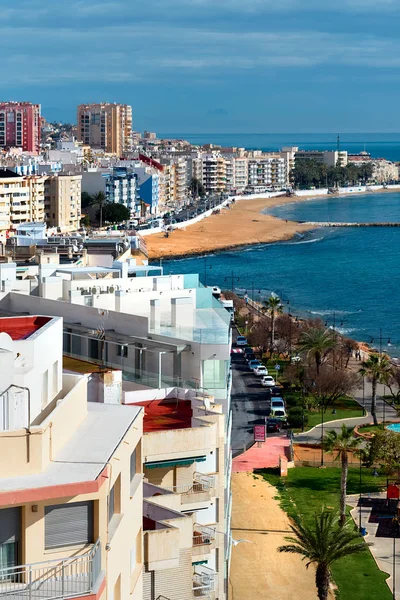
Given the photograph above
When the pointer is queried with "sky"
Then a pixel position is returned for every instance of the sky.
(199, 66)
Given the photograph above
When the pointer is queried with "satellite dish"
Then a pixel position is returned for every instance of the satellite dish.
(93, 290)
(112, 290)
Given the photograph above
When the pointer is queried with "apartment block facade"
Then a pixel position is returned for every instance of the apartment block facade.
(62, 201)
(171, 341)
(121, 187)
(71, 476)
(106, 126)
(20, 126)
(21, 199)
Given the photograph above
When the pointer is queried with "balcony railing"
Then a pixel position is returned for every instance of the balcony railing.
(53, 579)
(201, 483)
(203, 582)
(203, 536)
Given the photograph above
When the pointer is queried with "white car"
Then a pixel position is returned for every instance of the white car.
(278, 403)
(260, 371)
(268, 381)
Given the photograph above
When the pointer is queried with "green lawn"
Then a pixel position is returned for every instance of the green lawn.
(304, 492)
(346, 408)
(371, 428)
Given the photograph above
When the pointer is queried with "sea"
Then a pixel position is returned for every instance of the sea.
(379, 145)
(348, 277)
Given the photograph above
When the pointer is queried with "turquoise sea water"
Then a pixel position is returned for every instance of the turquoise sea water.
(379, 145)
(348, 275)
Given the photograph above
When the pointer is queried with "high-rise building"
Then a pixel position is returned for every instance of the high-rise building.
(20, 126)
(21, 199)
(106, 126)
(62, 199)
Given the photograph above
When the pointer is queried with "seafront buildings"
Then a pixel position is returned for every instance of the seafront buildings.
(158, 346)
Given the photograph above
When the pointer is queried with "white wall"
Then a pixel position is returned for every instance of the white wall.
(319, 192)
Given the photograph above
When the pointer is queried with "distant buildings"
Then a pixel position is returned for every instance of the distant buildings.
(62, 201)
(20, 126)
(106, 126)
(121, 188)
(330, 158)
(21, 199)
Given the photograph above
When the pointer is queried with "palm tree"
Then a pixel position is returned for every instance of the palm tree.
(342, 444)
(273, 306)
(317, 342)
(322, 544)
(375, 369)
(99, 200)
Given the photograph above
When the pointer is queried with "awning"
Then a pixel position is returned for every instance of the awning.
(179, 462)
(200, 562)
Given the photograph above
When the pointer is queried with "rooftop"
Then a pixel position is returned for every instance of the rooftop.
(21, 328)
(160, 415)
(86, 453)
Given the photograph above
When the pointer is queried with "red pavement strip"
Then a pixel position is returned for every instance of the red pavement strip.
(265, 457)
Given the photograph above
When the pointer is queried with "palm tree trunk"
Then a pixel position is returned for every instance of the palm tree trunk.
(343, 487)
(373, 401)
(322, 579)
(272, 331)
(317, 361)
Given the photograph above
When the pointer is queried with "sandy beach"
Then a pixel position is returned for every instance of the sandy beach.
(241, 225)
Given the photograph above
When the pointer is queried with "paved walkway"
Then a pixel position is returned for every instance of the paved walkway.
(264, 456)
(384, 413)
(258, 570)
(381, 547)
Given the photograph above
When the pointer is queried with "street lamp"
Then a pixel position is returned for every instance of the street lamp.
(322, 435)
(395, 534)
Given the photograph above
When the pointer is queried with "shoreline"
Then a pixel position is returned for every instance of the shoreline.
(246, 223)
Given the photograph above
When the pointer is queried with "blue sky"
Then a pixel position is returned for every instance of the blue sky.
(210, 65)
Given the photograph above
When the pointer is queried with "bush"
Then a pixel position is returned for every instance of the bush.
(296, 416)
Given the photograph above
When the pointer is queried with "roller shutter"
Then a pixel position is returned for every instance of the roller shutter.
(68, 524)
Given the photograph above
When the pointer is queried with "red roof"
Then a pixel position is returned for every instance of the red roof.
(20, 328)
(160, 415)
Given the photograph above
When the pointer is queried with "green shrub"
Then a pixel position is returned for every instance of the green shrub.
(296, 416)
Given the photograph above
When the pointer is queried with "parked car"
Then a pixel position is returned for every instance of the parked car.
(253, 364)
(241, 340)
(277, 403)
(248, 350)
(249, 357)
(260, 371)
(279, 413)
(268, 381)
(273, 425)
(276, 391)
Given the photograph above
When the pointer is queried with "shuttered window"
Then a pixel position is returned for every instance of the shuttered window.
(68, 524)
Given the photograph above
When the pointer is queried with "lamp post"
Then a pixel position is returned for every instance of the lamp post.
(395, 534)
(359, 524)
(322, 437)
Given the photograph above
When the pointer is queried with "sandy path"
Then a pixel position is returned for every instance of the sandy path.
(242, 224)
(258, 571)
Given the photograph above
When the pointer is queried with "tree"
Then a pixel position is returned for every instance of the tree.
(100, 201)
(273, 307)
(323, 543)
(392, 380)
(385, 449)
(376, 369)
(329, 385)
(86, 199)
(116, 213)
(317, 343)
(196, 188)
(341, 445)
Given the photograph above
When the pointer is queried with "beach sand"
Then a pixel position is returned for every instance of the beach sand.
(241, 225)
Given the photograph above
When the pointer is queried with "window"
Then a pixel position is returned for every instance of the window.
(114, 499)
(133, 464)
(122, 351)
(68, 524)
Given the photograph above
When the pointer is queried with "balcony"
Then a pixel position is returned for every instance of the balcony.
(199, 491)
(203, 582)
(74, 577)
(203, 540)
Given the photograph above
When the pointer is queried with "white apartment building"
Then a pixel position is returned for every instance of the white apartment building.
(210, 169)
(171, 341)
(266, 173)
(21, 199)
(71, 475)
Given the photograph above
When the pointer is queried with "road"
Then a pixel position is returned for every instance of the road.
(249, 402)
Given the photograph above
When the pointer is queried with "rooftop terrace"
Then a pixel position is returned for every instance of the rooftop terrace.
(21, 328)
(161, 415)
